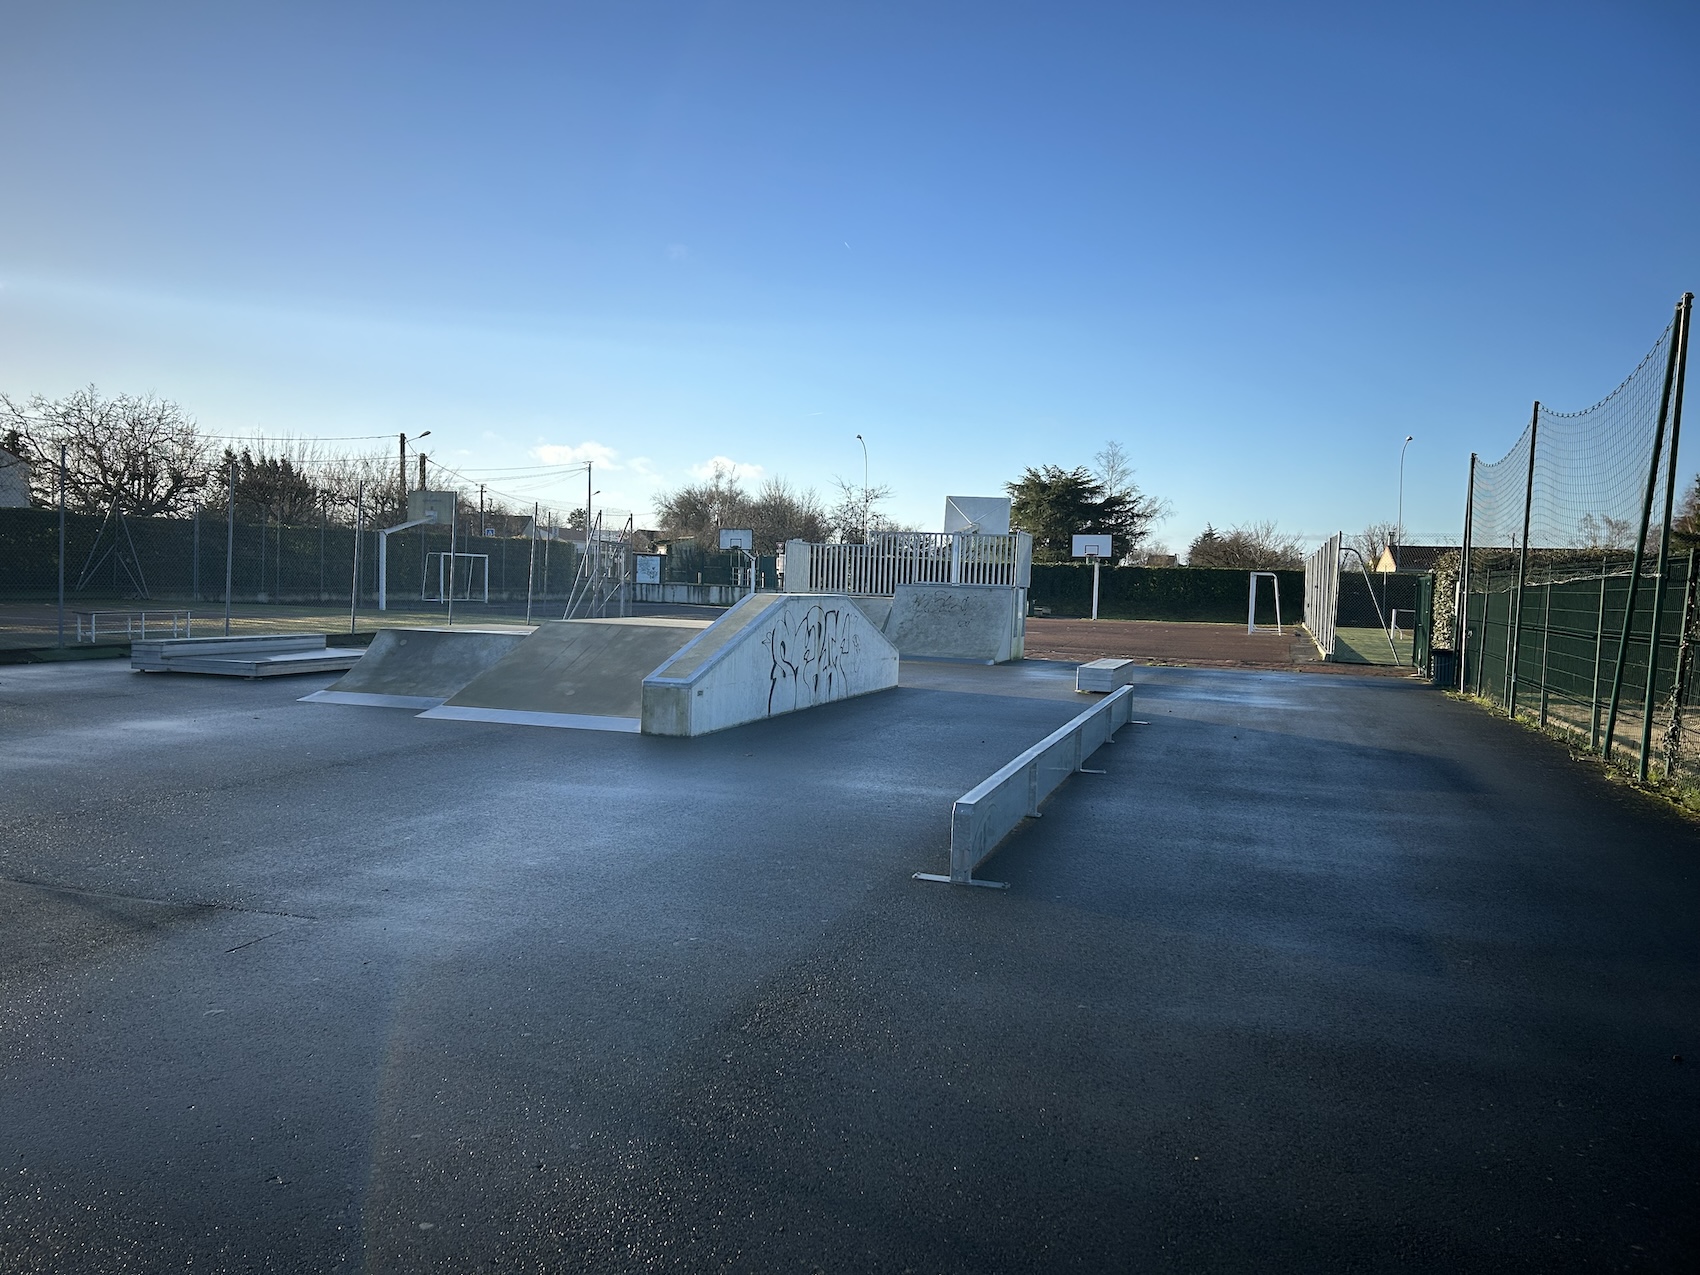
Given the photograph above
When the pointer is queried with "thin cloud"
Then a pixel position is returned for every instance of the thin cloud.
(577, 454)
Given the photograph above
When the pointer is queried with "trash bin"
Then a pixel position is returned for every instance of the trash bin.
(1443, 670)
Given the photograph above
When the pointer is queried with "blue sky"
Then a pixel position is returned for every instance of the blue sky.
(1257, 244)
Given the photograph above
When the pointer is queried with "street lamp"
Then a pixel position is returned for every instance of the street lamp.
(866, 511)
(1399, 526)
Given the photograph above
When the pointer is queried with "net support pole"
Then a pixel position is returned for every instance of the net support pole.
(1546, 642)
(1641, 543)
(1461, 592)
(1682, 311)
(1516, 639)
(1599, 654)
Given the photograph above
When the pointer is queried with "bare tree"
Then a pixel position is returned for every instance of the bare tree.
(143, 454)
(1251, 546)
(1376, 537)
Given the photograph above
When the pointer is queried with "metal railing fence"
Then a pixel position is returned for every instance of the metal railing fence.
(910, 557)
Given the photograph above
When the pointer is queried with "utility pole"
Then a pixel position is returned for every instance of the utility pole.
(481, 527)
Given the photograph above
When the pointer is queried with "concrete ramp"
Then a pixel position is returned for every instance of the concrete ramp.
(420, 668)
(772, 653)
(982, 622)
(580, 674)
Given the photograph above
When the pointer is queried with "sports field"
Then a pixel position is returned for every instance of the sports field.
(1322, 973)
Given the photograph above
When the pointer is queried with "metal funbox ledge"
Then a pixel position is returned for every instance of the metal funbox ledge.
(263, 655)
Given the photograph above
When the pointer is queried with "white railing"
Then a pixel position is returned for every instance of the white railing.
(909, 557)
(989, 812)
(132, 624)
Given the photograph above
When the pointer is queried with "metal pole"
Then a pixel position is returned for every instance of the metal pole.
(229, 544)
(1641, 537)
(1682, 311)
(1095, 588)
(588, 496)
(481, 525)
(61, 544)
(1599, 652)
(1546, 630)
(195, 555)
(867, 505)
(450, 589)
(404, 470)
(531, 566)
(354, 588)
(1522, 568)
(1401, 523)
(324, 515)
(1461, 592)
(1487, 601)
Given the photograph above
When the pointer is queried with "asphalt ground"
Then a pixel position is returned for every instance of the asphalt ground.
(1323, 974)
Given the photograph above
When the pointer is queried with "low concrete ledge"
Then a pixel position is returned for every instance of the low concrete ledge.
(771, 654)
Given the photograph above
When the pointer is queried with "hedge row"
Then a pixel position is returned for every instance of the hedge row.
(1205, 594)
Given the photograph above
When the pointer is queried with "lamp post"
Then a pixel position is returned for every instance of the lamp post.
(865, 508)
(1400, 524)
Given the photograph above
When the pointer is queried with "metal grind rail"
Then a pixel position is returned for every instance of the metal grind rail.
(984, 816)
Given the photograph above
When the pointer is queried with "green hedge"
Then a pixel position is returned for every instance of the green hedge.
(1205, 594)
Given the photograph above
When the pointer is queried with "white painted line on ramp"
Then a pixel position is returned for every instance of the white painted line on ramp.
(515, 717)
(365, 699)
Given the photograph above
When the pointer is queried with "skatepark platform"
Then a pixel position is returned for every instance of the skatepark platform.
(261, 655)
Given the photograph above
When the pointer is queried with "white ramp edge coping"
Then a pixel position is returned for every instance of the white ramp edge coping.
(992, 809)
(371, 699)
(523, 717)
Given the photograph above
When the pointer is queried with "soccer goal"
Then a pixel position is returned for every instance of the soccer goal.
(462, 577)
(1251, 625)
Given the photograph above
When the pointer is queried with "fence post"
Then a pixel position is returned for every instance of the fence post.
(1682, 310)
(229, 544)
(354, 586)
(1546, 631)
(1522, 569)
(1599, 652)
(1641, 538)
(1461, 593)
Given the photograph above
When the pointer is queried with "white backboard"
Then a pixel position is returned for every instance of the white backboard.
(739, 539)
(431, 506)
(981, 515)
(1092, 547)
(648, 567)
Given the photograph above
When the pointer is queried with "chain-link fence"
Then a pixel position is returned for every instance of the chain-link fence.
(1574, 607)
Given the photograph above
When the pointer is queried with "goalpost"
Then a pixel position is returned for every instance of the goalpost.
(1251, 603)
(450, 579)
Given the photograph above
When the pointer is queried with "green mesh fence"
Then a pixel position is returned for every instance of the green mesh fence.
(1572, 603)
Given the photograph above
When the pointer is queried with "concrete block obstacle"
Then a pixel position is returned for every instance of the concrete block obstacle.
(578, 674)
(257, 655)
(1103, 675)
(773, 653)
(983, 816)
(419, 668)
(984, 623)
